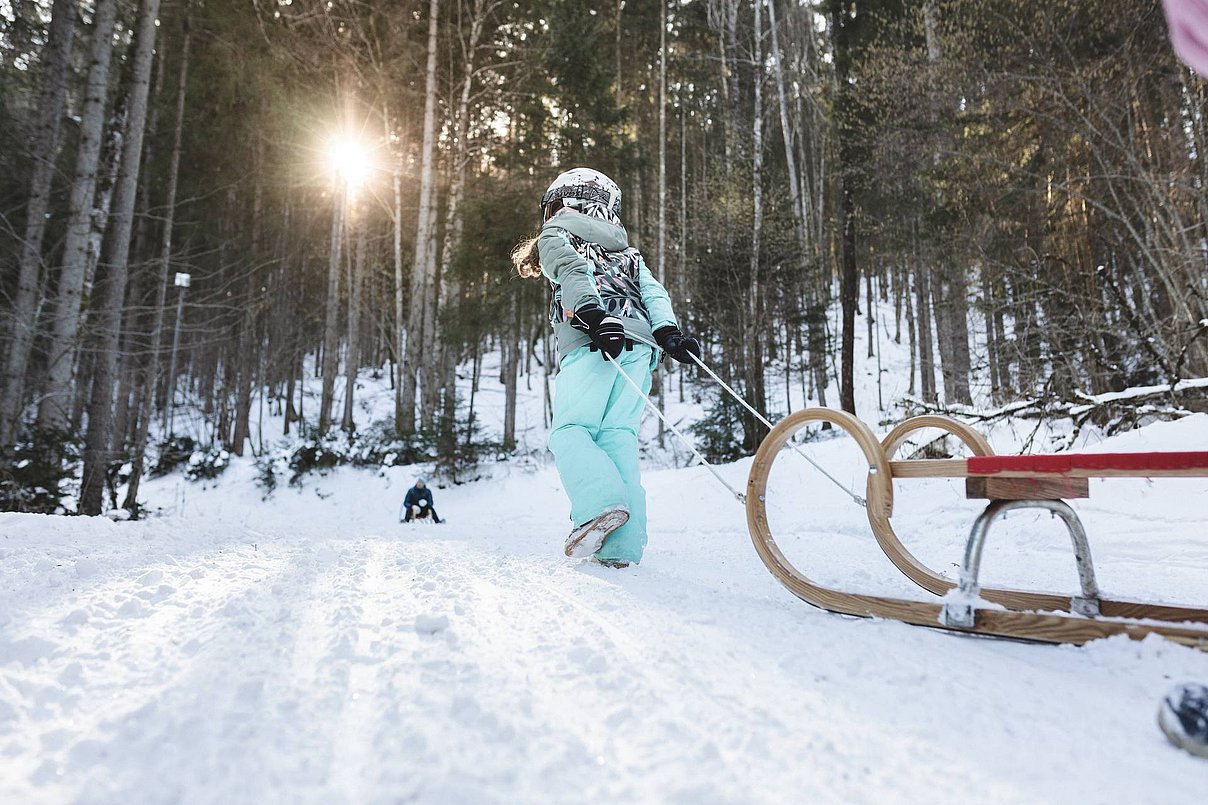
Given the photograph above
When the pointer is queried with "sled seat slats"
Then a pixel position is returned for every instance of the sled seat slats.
(983, 488)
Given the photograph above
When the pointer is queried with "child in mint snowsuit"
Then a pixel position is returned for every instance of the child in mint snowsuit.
(607, 309)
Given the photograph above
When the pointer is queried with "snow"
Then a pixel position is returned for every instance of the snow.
(1141, 391)
(308, 647)
(305, 646)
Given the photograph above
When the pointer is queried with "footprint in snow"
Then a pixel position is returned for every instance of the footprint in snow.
(431, 624)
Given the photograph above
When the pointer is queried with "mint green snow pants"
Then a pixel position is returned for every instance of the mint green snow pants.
(595, 442)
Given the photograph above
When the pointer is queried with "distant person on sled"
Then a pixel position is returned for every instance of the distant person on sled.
(610, 315)
(417, 505)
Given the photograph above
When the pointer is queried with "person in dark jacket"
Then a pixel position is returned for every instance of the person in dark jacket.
(418, 503)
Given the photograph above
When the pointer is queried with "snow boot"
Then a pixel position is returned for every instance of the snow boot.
(586, 539)
(616, 564)
(1183, 716)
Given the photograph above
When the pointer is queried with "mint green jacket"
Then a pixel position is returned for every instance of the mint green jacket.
(589, 260)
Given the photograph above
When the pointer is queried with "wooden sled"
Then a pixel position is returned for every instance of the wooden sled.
(1008, 482)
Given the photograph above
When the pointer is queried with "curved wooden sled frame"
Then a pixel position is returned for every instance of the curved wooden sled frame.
(1026, 615)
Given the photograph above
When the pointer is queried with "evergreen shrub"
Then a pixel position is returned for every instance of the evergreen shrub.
(39, 472)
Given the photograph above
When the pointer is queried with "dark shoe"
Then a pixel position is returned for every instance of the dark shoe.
(586, 539)
(616, 564)
(1183, 716)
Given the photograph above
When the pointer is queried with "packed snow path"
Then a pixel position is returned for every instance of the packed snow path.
(312, 649)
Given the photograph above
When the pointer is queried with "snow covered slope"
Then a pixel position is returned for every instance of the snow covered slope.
(310, 648)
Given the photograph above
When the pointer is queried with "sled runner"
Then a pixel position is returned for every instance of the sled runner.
(1008, 483)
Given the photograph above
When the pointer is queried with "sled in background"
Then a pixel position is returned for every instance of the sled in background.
(1008, 483)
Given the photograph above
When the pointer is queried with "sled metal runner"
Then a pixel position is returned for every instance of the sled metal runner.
(1008, 483)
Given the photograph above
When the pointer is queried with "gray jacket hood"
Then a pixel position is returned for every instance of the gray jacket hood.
(594, 230)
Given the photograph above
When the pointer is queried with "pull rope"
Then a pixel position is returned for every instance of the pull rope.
(860, 501)
(740, 497)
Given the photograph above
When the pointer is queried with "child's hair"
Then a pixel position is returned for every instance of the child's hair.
(526, 259)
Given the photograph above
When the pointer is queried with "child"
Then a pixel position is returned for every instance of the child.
(418, 503)
(608, 312)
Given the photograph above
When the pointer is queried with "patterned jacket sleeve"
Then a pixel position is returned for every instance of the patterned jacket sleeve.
(566, 267)
(655, 298)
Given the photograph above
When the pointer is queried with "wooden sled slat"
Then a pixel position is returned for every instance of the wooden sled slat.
(995, 488)
(1028, 615)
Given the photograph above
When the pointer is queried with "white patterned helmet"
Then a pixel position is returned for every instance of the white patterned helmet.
(579, 187)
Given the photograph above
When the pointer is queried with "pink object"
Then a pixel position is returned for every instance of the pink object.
(1067, 462)
(1187, 21)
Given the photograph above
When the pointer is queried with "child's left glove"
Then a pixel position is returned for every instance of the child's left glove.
(606, 332)
(676, 344)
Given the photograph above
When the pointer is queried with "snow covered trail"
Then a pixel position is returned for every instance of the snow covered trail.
(309, 648)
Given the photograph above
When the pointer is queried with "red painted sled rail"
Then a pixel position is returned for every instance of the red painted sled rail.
(1088, 464)
(1008, 482)
(1072, 465)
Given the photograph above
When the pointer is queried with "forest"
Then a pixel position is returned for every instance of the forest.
(204, 203)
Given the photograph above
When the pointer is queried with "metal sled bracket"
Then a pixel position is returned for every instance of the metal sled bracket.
(962, 613)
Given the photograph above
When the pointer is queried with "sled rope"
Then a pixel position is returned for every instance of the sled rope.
(860, 501)
(740, 497)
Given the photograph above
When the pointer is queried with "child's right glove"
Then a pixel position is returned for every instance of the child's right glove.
(606, 332)
(676, 344)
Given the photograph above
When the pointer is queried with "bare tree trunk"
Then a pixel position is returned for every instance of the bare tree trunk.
(251, 341)
(658, 379)
(107, 173)
(914, 343)
(682, 258)
(420, 273)
(54, 408)
(151, 370)
(249, 347)
(451, 290)
(619, 77)
(331, 327)
(943, 336)
(992, 351)
(868, 314)
(1003, 380)
(352, 360)
(429, 366)
(733, 101)
(849, 278)
(397, 333)
(44, 150)
(511, 365)
(754, 338)
(923, 316)
(799, 192)
(950, 289)
(100, 409)
(897, 280)
(848, 290)
(786, 129)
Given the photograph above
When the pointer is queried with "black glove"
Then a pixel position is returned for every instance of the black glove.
(676, 344)
(606, 332)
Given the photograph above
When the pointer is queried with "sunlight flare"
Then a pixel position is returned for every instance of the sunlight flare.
(350, 159)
